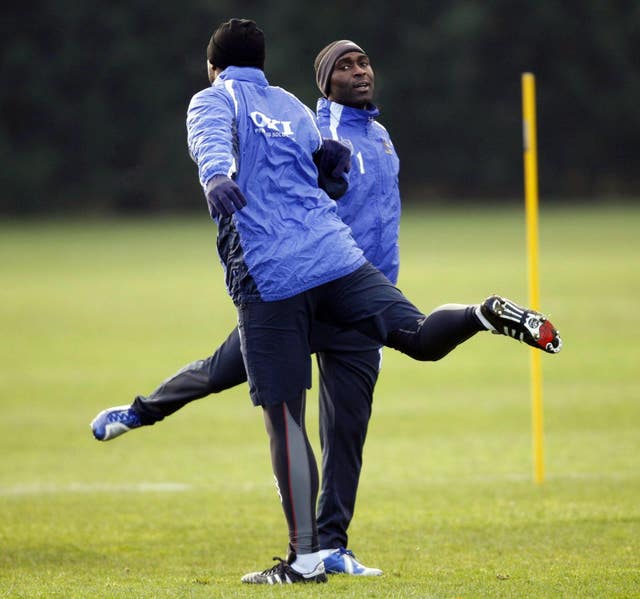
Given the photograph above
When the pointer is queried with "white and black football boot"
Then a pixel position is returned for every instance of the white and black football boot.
(283, 573)
(523, 324)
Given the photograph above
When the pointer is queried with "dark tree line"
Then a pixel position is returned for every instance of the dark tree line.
(93, 95)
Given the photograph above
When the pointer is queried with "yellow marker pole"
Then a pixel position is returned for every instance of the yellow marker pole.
(530, 145)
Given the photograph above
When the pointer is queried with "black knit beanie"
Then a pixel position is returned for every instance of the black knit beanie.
(237, 42)
(326, 60)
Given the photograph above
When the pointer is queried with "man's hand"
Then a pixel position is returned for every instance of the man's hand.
(223, 196)
(333, 160)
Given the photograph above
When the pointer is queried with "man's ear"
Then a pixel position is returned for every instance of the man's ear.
(211, 71)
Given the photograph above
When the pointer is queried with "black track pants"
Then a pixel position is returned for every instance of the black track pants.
(347, 380)
(223, 370)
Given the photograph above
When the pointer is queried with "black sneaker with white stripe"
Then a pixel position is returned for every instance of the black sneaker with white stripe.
(283, 573)
(523, 324)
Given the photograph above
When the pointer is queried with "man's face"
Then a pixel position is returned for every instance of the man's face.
(352, 80)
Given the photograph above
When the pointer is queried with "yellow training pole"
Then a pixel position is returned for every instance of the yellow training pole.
(530, 144)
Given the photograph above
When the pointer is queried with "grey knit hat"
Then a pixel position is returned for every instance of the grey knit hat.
(326, 60)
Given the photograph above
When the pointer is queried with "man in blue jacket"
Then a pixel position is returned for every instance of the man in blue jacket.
(348, 361)
(290, 260)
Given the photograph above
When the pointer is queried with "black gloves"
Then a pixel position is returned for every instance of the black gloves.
(333, 160)
(223, 196)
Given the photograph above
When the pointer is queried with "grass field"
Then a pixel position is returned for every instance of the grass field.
(93, 313)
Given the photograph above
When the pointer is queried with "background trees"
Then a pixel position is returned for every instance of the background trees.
(94, 95)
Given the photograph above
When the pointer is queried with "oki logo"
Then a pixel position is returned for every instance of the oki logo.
(269, 126)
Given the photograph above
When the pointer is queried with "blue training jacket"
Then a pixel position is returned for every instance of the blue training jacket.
(371, 205)
(289, 237)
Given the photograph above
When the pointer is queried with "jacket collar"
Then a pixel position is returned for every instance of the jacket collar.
(248, 74)
(327, 109)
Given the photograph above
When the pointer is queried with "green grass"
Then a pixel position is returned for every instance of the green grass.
(92, 313)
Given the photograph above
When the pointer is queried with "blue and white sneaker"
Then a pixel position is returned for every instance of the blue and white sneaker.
(113, 422)
(342, 561)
